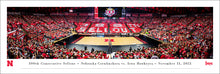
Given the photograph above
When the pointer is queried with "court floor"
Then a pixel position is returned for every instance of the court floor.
(105, 41)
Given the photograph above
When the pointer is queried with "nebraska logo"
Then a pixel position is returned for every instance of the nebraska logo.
(208, 63)
(9, 63)
(110, 12)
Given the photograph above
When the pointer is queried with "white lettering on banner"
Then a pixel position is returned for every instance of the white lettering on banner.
(124, 30)
(99, 25)
(130, 25)
(92, 29)
(106, 30)
(98, 30)
(116, 30)
(82, 29)
(117, 25)
(85, 24)
(133, 29)
(135, 25)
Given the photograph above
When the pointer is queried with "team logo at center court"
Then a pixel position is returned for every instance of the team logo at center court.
(110, 12)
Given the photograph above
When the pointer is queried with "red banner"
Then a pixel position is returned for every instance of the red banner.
(118, 28)
(82, 27)
(135, 28)
(98, 28)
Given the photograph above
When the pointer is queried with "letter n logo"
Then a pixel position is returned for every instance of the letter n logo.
(9, 63)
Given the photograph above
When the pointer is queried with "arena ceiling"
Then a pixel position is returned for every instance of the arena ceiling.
(157, 10)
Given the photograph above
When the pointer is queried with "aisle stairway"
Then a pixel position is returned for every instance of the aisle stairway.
(141, 40)
(77, 40)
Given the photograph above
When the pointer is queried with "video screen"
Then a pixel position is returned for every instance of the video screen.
(110, 11)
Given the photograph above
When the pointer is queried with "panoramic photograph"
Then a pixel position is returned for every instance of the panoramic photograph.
(109, 32)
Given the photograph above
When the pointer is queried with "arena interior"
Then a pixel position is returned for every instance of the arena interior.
(110, 33)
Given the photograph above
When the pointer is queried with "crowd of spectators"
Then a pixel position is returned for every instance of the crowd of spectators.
(188, 36)
(40, 32)
(185, 38)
